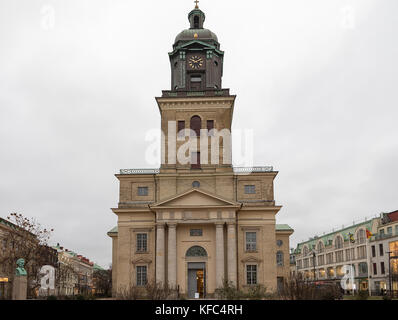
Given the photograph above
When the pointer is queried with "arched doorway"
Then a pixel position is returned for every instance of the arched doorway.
(196, 257)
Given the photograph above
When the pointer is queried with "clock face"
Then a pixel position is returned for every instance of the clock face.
(195, 62)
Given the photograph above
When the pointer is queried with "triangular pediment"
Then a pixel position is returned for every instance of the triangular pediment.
(195, 198)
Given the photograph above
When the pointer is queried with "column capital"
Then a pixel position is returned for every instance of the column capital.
(172, 224)
(219, 224)
(160, 225)
(231, 224)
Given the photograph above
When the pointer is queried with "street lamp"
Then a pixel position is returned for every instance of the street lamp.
(313, 263)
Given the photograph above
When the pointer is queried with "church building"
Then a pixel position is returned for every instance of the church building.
(198, 221)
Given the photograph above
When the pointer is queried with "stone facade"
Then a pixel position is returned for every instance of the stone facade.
(210, 221)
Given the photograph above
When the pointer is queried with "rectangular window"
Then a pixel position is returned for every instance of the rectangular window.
(382, 268)
(381, 249)
(251, 274)
(250, 189)
(339, 256)
(195, 160)
(373, 251)
(142, 242)
(362, 252)
(181, 128)
(251, 241)
(347, 255)
(143, 191)
(141, 276)
(381, 233)
(396, 230)
(210, 126)
(389, 230)
(196, 232)
(374, 268)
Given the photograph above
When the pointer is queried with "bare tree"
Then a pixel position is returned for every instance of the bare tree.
(26, 238)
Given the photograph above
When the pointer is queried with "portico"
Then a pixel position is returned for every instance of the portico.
(196, 219)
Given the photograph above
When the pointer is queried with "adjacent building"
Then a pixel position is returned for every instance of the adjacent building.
(384, 254)
(370, 247)
(194, 224)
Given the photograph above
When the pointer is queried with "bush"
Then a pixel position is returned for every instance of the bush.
(387, 297)
(229, 292)
(52, 298)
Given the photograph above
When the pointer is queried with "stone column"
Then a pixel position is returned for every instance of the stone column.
(219, 254)
(160, 254)
(172, 255)
(232, 254)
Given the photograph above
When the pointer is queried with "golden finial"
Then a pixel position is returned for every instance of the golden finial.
(196, 4)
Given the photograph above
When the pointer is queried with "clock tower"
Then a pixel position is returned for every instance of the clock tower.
(197, 220)
(196, 60)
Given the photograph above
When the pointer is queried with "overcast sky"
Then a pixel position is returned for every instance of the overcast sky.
(315, 80)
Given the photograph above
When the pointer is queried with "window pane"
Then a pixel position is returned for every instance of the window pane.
(142, 242)
(143, 191)
(251, 241)
(250, 189)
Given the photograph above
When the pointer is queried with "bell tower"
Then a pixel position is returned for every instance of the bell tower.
(196, 105)
(196, 60)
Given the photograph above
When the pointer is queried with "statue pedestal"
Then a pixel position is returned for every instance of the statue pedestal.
(20, 288)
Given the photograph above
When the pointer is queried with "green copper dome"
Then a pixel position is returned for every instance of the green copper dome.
(196, 34)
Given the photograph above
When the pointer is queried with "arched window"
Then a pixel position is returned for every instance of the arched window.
(305, 251)
(361, 236)
(196, 125)
(196, 22)
(279, 258)
(196, 251)
(338, 242)
(321, 247)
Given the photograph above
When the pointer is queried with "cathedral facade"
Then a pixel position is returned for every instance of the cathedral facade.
(198, 221)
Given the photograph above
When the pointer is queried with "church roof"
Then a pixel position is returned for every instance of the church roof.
(196, 34)
(283, 227)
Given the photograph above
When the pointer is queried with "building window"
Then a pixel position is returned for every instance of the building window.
(374, 268)
(321, 260)
(373, 251)
(210, 127)
(381, 249)
(382, 268)
(279, 243)
(251, 241)
(381, 233)
(196, 125)
(196, 232)
(195, 160)
(396, 230)
(196, 184)
(142, 242)
(196, 251)
(339, 256)
(279, 258)
(141, 276)
(321, 247)
(361, 236)
(329, 258)
(181, 128)
(389, 231)
(362, 252)
(251, 274)
(338, 242)
(143, 191)
(250, 189)
(196, 22)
